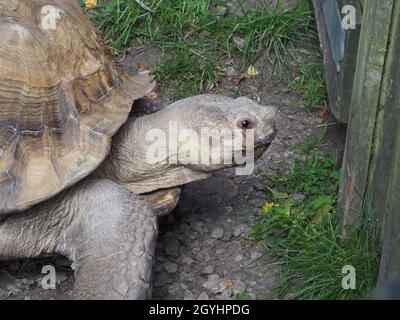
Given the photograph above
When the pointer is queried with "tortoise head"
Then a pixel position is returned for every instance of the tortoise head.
(215, 132)
(190, 139)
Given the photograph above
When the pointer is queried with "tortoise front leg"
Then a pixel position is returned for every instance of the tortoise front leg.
(106, 231)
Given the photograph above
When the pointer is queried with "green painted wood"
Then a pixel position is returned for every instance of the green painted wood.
(339, 84)
(364, 110)
(336, 33)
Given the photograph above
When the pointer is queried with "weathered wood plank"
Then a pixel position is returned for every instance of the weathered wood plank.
(387, 168)
(339, 84)
(364, 109)
(387, 122)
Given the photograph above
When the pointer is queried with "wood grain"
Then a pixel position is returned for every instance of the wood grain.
(364, 111)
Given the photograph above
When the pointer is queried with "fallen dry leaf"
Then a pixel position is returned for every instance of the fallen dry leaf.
(237, 80)
(228, 283)
(152, 95)
(140, 67)
(322, 112)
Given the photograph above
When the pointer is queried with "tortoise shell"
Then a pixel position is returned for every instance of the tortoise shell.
(61, 100)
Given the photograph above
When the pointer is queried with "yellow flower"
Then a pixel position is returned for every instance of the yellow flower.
(90, 4)
(252, 71)
(267, 207)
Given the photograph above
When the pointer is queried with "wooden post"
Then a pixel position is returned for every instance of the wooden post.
(386, 198)
(365, 111)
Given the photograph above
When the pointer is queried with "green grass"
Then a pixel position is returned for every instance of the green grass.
(306, 239)
(243, 296)
(197, 43)
(309, 145)
(305, 76)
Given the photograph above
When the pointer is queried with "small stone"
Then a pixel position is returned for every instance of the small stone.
(196, 244)
(213, 277)
(188, 295)
(240, 13)
(170, 267)
(192, 235)
(210, 242)
(209, 269)
(203, 296)
(255, 255)
(186, 261)
(229, 71)
(196, 250)
(259, 186)
(184, 276)
(213, 284)
(24, 283)
(233, 8)
(204, 33)
(239, 230)
(171, 247)
(228, 235)
(199, 227)
(13, 289)
(239, 258)
(298, 197)
(239, 42)
(238, 287)
(217, 233)
(221, 11)
(184, 286)
(174, 289)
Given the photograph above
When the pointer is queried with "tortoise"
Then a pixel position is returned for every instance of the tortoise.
(76, 175)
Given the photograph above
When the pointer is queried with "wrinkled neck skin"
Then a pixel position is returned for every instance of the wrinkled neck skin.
(132, 165)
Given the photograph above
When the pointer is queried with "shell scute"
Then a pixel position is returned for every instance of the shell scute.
(61, 100)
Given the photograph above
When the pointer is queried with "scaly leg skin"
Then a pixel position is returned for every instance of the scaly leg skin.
(108, 233)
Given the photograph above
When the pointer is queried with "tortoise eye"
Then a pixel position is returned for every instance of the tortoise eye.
(246, 124)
